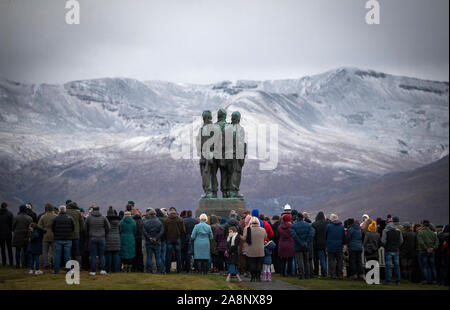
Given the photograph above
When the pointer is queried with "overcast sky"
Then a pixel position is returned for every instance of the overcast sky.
(203, 41)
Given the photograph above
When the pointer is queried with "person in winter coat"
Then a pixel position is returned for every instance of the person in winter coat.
(189, 224)
(45, 221)
(255, 235)
(267, 227)
(243, 246)
(408, 251)
(427, 244)
(153, 231)
(232, 253)
(444, 253)
(138, 261)
(97, 227)
(35, 247)
(392, 239)
(62, 227)
(201, 236)
(335, 235)
(6, 220)
(20, 227)
(112, 242)
(221, 246)
(320, 244)
(174, 231)
(286, 246)
(303, 235)
(213, 221)
(74, 212)
(127, 241)
(354, 240)
(371, 243)
(267, 264)
(31, 213)
(255, 213)
(275, 258)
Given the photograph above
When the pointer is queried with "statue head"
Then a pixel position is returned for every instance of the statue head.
(221, 115)
(235, 117)
(207, 117)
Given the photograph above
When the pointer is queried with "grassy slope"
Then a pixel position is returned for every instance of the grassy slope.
(325, 284)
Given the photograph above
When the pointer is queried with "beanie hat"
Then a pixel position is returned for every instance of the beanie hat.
(68, 201)
(127, 213)
(287, 218)
(131, 202)
(396, 219)
(373, 226)
(299, 215)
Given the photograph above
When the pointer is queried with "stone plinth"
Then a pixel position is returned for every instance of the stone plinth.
(220, 207)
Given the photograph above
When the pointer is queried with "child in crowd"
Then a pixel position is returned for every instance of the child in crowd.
(35, 247)
(267, 272)
(232, 253)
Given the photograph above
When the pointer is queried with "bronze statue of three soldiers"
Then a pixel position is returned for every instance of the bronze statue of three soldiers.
(221, 146)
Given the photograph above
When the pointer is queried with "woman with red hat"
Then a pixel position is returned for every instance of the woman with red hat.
(286, 249)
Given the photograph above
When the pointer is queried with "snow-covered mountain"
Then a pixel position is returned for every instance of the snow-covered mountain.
(341, 127)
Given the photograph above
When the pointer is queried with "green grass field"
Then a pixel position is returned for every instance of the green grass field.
(326, 284)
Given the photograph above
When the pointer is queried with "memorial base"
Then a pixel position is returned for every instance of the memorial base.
(220, 207)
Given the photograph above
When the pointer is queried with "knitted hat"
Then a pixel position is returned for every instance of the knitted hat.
(127, 213)
(131, 202)
(373, 226)
(396, 219)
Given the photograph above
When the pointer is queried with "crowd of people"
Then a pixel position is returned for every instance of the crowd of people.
(242, 245)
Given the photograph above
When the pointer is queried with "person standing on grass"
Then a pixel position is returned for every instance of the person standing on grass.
(303, 235)
(202, 236)
(35, 247)
(174, 231)
(267, 264)
(392, 239)
(63, 227)
(354, 240)
(444, 251)
(45, 221)
(163, 218)
(335, 235)
(427, 244)
(97, 227)
(221, 246)
(20, 227)
(408, 251)
(286, 245)
(73, 211)
(112, 245)
(153, 231)
(255, 235)
(6, 220)
(232, 253)
(189, 224)
(371, 243)
(138, 262)
(320, 244)
(127, 241)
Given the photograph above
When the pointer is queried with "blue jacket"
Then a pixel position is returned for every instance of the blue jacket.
(354, 238)
(268, 248)
(335, 237)
(201, 235)
(153, 228)
(35, 245)
(255, 212)
(303, 234)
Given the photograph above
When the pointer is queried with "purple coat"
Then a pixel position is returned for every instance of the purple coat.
(286, 242)
(219, 237)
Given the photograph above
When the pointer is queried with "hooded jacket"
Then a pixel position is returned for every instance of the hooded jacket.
(391, 238)
(74, 212)
(35, 245)
(371, 244)
(320, 239)
(268, 249)
(127, 241)
(286, 247)
(189, 224)
(20, 226)
(258, 235)
(335, 234)
(46, 222)
(426, 238)
(354, 238)
(174, 228)
(96, 226)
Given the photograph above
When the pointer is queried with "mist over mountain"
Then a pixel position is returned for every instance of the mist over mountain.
(107, 141)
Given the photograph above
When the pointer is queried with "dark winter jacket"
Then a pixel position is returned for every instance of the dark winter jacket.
(286, 246)
(426, 238)
(153, 228)
(139, 226)
(189, 224)
(232, 222)
(35, 244)
(354, 238)
(45, 221)
(303, 234)
(219, 238)
(408, 248)
(391, 238)
(320, 239)
(74, 212)
(33, 215)
(96, 226)
(6, 220)
(127, 241)
(371, 244)
(174, 227)
(268, 249)
(63, 227)
(20, 226)
(113, 236)
(335, 234)
(232, 251)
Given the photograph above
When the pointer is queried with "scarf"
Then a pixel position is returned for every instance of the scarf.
(232, 237)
